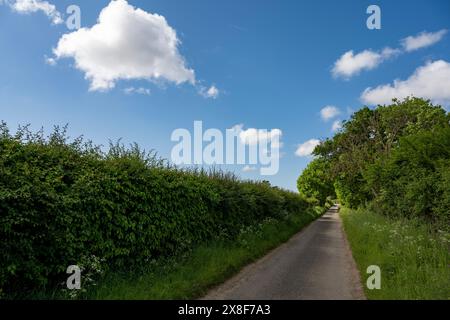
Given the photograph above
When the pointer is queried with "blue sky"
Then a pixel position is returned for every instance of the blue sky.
(275, 64)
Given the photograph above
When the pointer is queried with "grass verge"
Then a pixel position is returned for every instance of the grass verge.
(414, 259)
(191, 275)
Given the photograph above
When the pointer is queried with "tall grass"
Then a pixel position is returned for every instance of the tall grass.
(191, 275)
(413, 258)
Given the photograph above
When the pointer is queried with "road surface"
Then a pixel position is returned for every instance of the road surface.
(314, 264)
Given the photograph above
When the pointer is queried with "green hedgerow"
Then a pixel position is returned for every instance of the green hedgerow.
(61, 202)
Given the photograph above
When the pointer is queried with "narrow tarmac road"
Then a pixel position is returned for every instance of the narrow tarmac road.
(316, 263)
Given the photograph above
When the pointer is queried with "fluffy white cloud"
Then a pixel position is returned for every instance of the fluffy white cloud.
(31, 6)
(254, 136)
(305, 149)
(350, 64)
(249, 168)
(211, 92)
(329, 112)
(423, 39)
(140, 90)
(126, 43)
(431, 81)
(337, 124)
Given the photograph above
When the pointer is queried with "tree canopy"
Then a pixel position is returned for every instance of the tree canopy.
(395, 156)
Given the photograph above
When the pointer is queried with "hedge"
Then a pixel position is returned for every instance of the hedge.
(67, 203)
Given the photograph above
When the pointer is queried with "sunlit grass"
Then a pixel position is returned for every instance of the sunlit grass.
(414, 259)
(193, 274)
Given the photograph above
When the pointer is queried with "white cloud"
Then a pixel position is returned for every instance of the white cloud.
(32, 6)
(388, 52)
(126, 43)
(422, 40)
(305, 149)
(350, 64)
(50, 61)
(140, 90)
(212, 92)
(254, 136)
(431, 81)
(329, 112)
(337, 124)
(249, 168)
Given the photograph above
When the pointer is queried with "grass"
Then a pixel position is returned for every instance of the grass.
(191, 275)
(414, 259)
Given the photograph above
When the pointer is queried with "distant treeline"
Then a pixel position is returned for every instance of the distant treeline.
(65, 203)
(393, 158)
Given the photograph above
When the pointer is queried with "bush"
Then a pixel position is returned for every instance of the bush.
(414, 179)
(67, 203)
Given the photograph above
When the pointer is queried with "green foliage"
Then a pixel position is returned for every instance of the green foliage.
(67, 203)
(315, 182)
(392, 164)
(414, 179)
(395, 157)
(371, 135)
(413, 259)
(190, 276)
